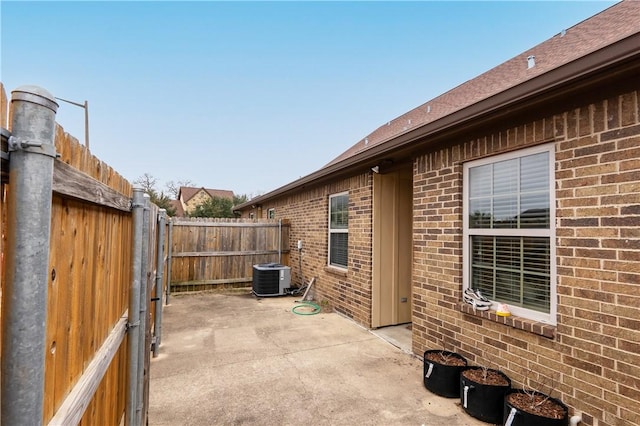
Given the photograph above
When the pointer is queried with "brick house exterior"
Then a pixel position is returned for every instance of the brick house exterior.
(594, 346)
(580, 105)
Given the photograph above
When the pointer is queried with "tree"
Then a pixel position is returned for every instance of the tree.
(164, 202)
(147, 182)
(239, 199)
(252, 195)
(173, 188)
(214, 207)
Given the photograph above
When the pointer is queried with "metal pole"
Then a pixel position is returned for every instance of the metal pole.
(86, 124)
(84, 105)
(134, 308)
(24, 304)
(157, 326)
(144, 303)
(169, 256)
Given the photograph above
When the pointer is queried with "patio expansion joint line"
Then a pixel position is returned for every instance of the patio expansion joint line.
(283, 354)
(328, 346)
(286, 353)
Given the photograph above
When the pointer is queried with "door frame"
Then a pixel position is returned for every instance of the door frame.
(392, 248)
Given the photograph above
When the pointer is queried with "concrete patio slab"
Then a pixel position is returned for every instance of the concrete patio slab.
(235, 359)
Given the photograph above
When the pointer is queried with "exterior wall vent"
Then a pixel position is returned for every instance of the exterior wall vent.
(531, 61)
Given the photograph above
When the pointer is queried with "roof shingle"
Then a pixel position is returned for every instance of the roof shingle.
(609, 26)
(187, 192)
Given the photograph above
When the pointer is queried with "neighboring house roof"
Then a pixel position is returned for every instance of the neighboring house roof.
(177, 205)
(187, 192)
(607, 39)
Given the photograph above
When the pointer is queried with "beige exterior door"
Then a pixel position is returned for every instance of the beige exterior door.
(392, 247)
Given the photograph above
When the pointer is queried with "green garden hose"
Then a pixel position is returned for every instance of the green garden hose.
(315, 306)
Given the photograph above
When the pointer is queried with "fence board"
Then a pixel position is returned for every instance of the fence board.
(4, 187)
(4, 155)
(90, 253)
(219, 253)
(73, 408)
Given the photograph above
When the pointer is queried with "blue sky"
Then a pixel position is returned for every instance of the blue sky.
(249, 96)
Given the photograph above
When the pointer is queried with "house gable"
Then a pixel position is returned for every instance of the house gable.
(191, 197)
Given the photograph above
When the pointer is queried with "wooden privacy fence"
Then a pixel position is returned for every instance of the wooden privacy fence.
(88, 373)
(220, 253)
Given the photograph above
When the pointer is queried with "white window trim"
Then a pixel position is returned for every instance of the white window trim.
(269, 213)
(335, 231)
(551, 317)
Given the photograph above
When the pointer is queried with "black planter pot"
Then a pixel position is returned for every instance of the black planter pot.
(514, 416)
(483, 401)
(442, 379)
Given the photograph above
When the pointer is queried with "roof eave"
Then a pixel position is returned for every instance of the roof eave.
(595, 62)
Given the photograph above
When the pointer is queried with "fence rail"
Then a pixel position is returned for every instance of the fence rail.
(72, 183)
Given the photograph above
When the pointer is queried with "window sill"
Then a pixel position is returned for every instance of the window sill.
(535, 327)
(336, 271)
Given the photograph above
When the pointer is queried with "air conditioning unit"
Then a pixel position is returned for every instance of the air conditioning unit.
(271, 279)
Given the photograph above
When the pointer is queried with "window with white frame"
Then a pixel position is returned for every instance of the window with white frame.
(338, 229)
(271, 213)
(509, 230)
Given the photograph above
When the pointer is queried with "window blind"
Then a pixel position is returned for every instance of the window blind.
(509, 222)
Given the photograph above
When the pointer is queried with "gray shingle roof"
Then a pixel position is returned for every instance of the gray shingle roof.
(609, 26)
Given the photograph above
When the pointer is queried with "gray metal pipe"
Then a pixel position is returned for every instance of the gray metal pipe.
(169, 256)
(134, 309)
(157, 326)
(24, 304)
(144, 303)
(279, 241)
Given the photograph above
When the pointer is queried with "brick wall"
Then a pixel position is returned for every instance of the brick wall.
(347, 292)
(200, 197)
(594, 351)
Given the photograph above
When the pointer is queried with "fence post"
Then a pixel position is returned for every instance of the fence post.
(144, 303)
(169, 256)
(24, 304)
(157, 327)
(280, 241)
(134, 309)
